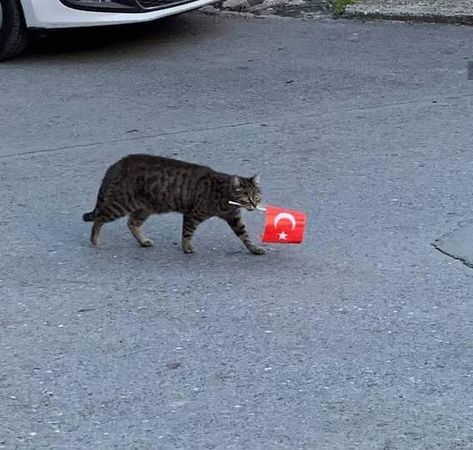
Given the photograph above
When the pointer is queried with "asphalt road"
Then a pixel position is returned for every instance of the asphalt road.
(361, 338)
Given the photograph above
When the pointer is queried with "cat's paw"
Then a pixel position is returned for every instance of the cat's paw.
(189, 249)
(258, 251)
(147, 243)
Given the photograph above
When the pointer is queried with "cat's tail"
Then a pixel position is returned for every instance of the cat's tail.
(110, 174)
(89, 217)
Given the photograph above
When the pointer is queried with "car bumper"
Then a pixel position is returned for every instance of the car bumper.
(51, 14)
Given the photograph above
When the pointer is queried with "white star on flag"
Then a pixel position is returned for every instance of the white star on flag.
(282, 236)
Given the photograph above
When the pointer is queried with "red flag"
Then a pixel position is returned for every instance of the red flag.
(284, 226)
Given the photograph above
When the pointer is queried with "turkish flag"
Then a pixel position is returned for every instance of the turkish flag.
(284, 226)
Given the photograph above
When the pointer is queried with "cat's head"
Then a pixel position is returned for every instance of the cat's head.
(246, 191)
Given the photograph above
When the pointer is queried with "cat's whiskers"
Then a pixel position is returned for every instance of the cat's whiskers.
(239, 204)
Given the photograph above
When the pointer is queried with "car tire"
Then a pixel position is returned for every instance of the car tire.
(13, 34)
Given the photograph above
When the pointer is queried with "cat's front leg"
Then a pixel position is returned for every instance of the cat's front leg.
(238, 227)
(189, 225)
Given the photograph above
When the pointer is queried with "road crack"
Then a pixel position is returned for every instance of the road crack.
(457, 258)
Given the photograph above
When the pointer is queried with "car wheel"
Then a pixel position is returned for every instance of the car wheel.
(13, 35)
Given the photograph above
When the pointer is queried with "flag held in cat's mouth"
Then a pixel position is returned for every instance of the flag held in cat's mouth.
(284, 226)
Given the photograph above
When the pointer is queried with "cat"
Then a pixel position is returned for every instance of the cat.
(140, 185)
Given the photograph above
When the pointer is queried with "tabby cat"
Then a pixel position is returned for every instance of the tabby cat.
(141, 185)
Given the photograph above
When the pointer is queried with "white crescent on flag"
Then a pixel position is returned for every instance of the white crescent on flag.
(287, 216)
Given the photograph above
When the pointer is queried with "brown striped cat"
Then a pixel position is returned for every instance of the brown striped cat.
(141, 185)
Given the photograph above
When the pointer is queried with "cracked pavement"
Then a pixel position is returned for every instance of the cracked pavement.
(358, 339)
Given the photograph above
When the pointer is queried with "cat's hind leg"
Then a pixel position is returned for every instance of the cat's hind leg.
(135, 222)
(98, 223)
(189, 225)
(104, 216)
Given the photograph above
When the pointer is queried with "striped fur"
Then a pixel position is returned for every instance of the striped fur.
(140, 185)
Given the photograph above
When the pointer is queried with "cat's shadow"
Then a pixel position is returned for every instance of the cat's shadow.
(168, 256)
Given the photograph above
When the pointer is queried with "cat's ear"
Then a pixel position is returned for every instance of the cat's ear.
(256, 179)
(236, 183)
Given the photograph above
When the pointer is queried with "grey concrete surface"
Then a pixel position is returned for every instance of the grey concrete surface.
(361, 338)
(443, 11)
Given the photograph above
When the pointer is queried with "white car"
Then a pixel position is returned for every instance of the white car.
(18, 16)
